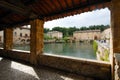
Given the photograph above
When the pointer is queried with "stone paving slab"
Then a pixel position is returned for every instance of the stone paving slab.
(11, 70)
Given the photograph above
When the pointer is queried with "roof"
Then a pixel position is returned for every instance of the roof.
(14, 12)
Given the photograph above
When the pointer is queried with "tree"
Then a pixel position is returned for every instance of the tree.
(69, 31)
(46, 30)
(66, 31)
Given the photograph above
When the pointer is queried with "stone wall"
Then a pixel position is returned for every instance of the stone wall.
(103, 51)
(87, 35)
(17, 55)
(117, 66)
(97, 70)
(88, 68)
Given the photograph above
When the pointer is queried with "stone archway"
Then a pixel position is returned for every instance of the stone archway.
(95, 37)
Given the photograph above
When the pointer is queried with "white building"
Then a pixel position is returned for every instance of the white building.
(55, 34)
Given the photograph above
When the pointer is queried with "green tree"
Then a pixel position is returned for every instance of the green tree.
(46, 30)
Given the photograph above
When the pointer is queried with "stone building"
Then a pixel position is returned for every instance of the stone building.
(55, 34)
(106, 34)
(21, 35)
(87, 35)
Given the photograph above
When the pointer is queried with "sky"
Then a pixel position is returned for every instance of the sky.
(96, 17)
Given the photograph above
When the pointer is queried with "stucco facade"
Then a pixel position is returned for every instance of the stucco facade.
(21, 36)
(87, 35)
(55, 34)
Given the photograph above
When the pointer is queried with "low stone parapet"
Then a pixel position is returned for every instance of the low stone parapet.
(16, 54)
(90, 68)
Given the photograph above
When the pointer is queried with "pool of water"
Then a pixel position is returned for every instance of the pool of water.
(71, 49)
(67, 49)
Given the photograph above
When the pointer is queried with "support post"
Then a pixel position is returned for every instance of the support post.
(36, 43)
(115, 26)
(8, 38)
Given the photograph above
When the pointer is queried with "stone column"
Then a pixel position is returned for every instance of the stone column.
(8, 38)
(115, 26)
(117, 66)
(36, 43)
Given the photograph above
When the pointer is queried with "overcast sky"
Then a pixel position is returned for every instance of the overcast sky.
(96, 17)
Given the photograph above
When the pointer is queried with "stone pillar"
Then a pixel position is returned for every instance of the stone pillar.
(36, 43)
(117, 66)
(115, 26)
(8, 38)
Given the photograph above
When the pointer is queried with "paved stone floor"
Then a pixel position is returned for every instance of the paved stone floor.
(11, 70)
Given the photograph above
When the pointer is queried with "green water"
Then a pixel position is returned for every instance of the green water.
(66, 49)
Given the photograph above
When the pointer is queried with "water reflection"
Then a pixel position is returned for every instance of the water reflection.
(71, 49)
(80, 50)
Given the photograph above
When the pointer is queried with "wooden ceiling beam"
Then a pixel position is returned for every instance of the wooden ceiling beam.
(66, 4)
(60, 5)
(5, 14)
(29, 2)
(88, 2)
(54, 3)
(73, 4)
(47, 3)
(44, 6)
(14, 8)
(77, 7)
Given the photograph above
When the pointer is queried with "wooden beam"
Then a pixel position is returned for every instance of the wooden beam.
(53, 3)
(29, 2)
(14, 8)
(66, 3)
(5, 14)
(88, 2)
(49, 4)
(77, 7)
(60, 5)
(44, 6)
(73, 3)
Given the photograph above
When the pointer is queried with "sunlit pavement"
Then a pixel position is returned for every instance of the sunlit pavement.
(11, 70)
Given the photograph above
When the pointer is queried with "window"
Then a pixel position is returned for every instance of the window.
(20, 34)
(26, 35)
(15, 33)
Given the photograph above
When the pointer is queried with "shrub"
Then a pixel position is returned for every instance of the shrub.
(95, 46)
